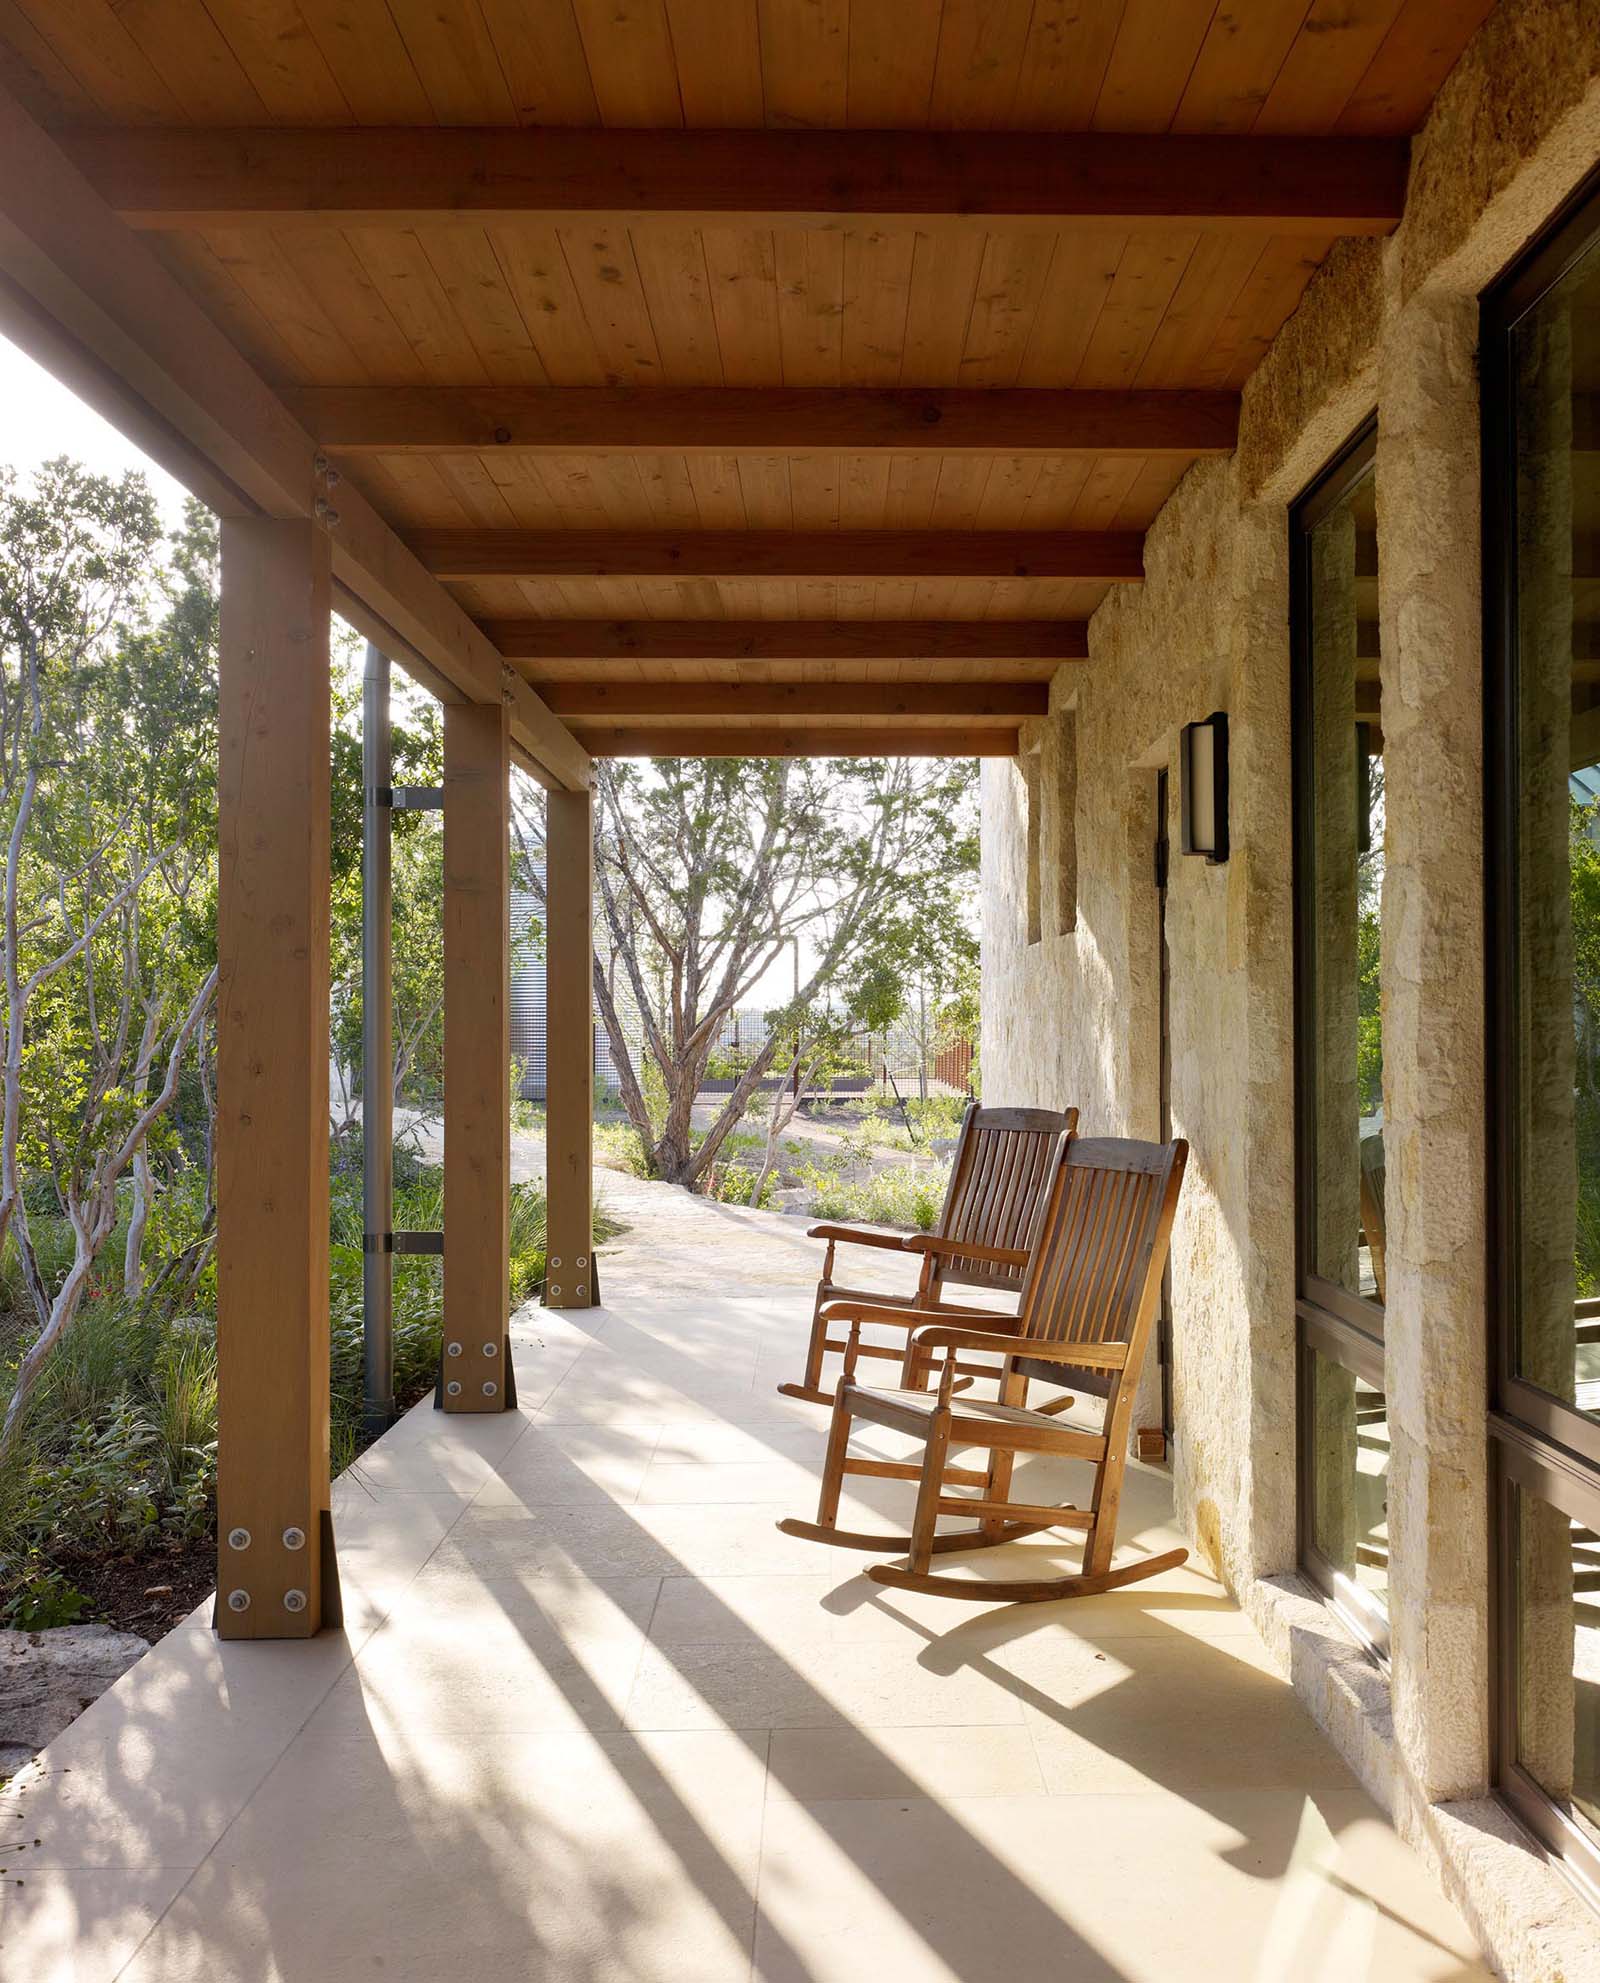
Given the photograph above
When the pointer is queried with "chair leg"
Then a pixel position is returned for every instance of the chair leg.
(810, 1386)
(925, 1522)
(833, 1465)
(997, 1488)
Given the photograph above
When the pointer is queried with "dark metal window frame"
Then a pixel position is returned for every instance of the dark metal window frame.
(1536, 1442)
(1330, 1321)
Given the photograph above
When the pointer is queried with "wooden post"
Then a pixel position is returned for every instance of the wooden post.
(569, 1055)
(477, 1057)
(275, 1566)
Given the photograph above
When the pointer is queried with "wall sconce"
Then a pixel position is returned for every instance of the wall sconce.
(1203, 788)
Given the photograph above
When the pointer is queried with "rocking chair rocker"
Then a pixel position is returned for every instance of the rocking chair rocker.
(999, 1175)
(1088, 1300)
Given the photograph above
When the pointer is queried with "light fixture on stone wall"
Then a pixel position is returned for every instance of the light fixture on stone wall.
(1203, 788)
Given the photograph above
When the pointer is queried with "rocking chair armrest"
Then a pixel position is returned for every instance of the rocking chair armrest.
(1087, 1356)
(966, 1249)
(908, 1318)
(894, 1242)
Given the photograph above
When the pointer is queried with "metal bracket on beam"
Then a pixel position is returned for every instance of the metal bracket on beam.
(402, 1242)
(412, 798)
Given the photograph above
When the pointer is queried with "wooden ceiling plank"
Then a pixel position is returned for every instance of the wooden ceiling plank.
(805, 54)
(981, 46)
(993, 181)
(1238, 63)
(1148, 275)
(742, 267)
(1417, 54)
(1053, 500)
(1082, 272)
(35, 73)
(370, 62)
(893, 52)
(1332, 52)
(325, 262)
(286, 67)
(944, 287)
(189, 259)
(185, 48)
(1064, 64)
(630, 51)
(1275, 286)
(1010, 283)
(863, 491)
(730, 740)
(719, 500)
(877, 298)
(768, 493)
(717, 47)
(814, 481)
(94, 42)
(740, 421)
(810, 273)
(677, 294)
(543, 61)
(260, 270)
(599, 258)
(535, 269)
(1157, 44)
(405, 278)
(475, 286)
(621, 701)
(1218, 270)
(823, 554)
(454, 54)
(790, 640)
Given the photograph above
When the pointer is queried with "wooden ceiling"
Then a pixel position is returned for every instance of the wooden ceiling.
(722, 405)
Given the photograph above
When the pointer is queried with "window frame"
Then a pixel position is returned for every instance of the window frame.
(1330, 1321)
(1536, 1441)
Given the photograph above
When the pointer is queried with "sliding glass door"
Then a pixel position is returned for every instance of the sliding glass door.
(1541, 375)
(1340, 1183)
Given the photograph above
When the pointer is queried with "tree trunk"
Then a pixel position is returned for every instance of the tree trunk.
(133, 1252)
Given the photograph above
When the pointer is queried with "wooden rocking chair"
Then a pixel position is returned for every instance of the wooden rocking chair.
(1091, 1291)
(999, 1176)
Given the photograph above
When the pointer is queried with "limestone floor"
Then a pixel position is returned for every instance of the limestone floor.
(592, 1719)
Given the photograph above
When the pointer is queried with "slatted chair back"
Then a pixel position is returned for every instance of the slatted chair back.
(999, 1177)
(1095, 1274)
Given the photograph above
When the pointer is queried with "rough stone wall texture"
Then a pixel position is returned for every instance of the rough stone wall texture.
(1072, 1018)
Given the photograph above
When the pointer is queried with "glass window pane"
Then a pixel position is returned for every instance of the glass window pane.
(1555, 380)
(1342, 884)
(1558, 1658)
(1348, 1431)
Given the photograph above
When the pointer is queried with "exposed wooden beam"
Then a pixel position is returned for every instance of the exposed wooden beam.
(433, 176)
(702, 420)
(713, 740)
(95, 306)
(790, 640)
(801, 701)
(1111, 555)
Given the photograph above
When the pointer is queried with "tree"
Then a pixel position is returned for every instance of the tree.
(707, 869)
(107, 891)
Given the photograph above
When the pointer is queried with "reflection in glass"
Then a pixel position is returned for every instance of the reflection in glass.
(1349, 1480)
(1558, 1658)
(1556, 389)
(1345, 897)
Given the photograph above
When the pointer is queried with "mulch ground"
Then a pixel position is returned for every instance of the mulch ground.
(147, 1594)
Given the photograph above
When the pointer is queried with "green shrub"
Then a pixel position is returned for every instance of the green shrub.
(908, 1195)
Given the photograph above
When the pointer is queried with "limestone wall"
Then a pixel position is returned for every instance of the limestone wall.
(1071, 1018)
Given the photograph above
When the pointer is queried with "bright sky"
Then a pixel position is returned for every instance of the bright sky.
(43, 419)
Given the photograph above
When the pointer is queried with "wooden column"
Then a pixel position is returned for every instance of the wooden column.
(275, 1564)
(477, 1057)
(569, 1051)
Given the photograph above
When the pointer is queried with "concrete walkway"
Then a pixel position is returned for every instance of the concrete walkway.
(592, 1719)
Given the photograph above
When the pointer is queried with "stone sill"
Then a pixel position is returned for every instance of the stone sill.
(1532, 1923)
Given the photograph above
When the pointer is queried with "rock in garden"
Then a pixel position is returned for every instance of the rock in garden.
(47, 1679)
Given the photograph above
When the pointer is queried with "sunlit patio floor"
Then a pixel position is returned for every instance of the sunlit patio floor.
(592, 1719)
